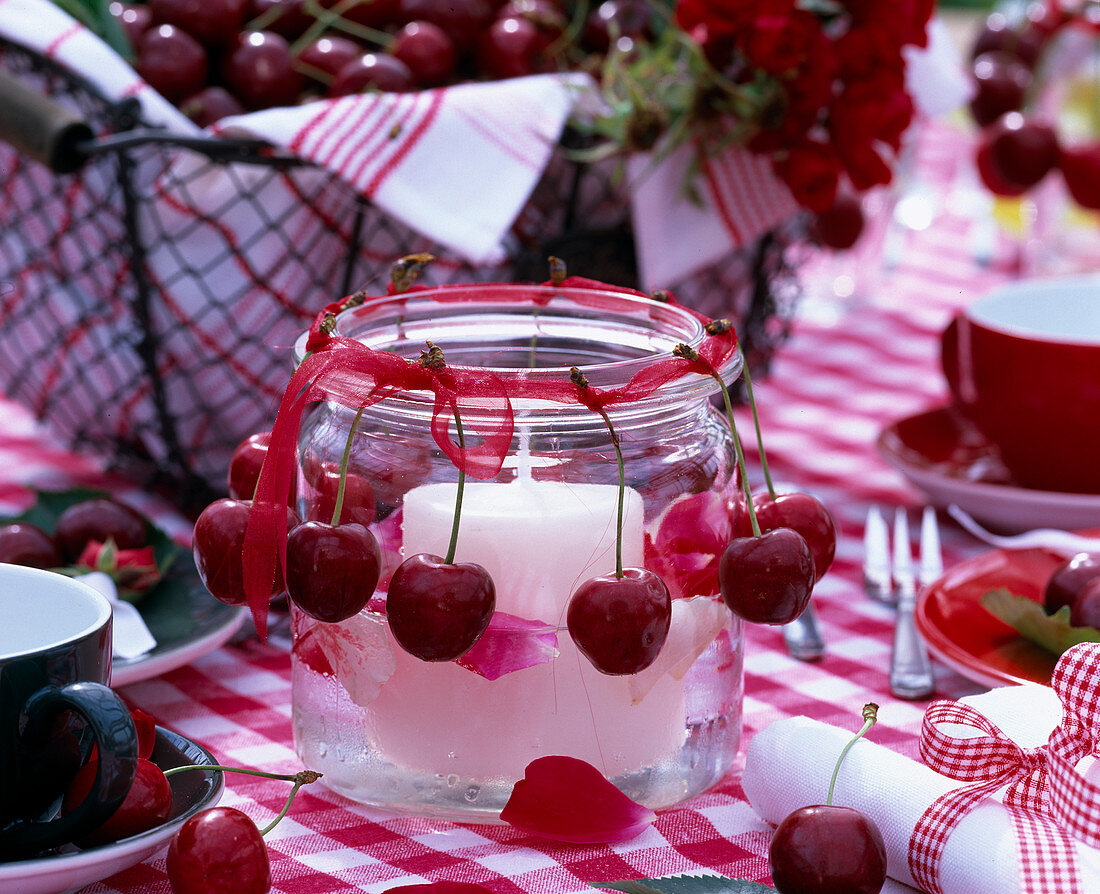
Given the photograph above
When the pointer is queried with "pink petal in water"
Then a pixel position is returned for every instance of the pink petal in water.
(687, 542)
(510, 643)
(566, 799)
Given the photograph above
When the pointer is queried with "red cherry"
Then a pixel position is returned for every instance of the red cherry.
(767, 579)
(999, 34)
(260, 70)
(512, 48)
(328, 55)
(371, 13)
(438, 611)
(428, 52)
(290, 18)
(1001, 81)
(620, 623)
(331, 572)
(102, 519)
(1021, 152)
(991, 176)
(210, 105)
(171, 61)
(245, 464)
(146, 806)
(798, 511)
(135, 19)
(1085, 611)
(359, 501)
(219, 851)
(462, 20)
(26, 544)
(212, 22)
(613, 19)
(839, 226)
(1080, 167)
(218, 546)
(827, 850)
(377, 71)
(1063, 586)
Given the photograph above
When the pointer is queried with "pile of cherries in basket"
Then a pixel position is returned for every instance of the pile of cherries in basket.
(219, 57)
(1011, 61)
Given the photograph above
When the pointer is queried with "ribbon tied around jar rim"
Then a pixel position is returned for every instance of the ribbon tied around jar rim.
(346, 371)
(1050, 803)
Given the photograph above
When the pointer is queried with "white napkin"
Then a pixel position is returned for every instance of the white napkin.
(129, 636)
(790, 762)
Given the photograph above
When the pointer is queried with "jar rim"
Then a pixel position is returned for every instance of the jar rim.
(655, 327)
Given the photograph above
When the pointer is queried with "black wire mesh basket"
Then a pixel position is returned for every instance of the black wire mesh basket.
(138, 323)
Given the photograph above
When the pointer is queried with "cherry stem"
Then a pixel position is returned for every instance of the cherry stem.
(870, 715)
(740, 453)
(453, 545)
(339, 507)
(756, 424)
(302, 777)
(622, 493)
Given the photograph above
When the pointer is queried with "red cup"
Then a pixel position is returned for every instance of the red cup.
(1023, 362)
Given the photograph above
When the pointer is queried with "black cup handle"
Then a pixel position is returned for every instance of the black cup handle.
(113, 731)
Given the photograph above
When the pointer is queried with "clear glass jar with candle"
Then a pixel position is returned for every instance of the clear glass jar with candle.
(450, 739)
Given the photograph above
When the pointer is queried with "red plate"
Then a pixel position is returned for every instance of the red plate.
(967, 638)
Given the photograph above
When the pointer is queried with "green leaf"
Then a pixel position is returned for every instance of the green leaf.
(1051, 632)
(686, 884)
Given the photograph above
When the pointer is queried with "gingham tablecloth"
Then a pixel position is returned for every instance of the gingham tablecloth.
(850, 368)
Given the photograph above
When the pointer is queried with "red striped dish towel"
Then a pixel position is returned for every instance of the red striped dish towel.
(456, 164)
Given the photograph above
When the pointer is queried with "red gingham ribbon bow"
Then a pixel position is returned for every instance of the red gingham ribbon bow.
(1048, 801)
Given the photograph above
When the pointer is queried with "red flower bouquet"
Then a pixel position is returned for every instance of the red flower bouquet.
(817, 88)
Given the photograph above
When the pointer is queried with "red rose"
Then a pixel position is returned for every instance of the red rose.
(134, 571)
(811, 171)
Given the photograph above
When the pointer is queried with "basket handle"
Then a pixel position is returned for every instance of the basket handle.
(40, 128)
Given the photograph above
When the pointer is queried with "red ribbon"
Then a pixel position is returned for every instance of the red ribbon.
(1049, 802)
(345, 371)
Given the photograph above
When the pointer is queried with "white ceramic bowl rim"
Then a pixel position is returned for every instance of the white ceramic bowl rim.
(44, 609)
(1063, 309)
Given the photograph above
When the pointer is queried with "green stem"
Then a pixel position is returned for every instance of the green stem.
(622, 494)
(339, 507)
(756, 425)
(740, 454)
(870, 715)
(302, 777)
(453, 545)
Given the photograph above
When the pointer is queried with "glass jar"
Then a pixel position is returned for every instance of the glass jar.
(450, 739)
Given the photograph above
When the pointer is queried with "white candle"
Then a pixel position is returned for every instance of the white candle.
(539, 540)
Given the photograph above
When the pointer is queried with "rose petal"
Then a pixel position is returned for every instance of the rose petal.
(689, 538)
(510, 643)
(360, 653)
(566, 799)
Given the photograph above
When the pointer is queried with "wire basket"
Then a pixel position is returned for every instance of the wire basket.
(150, 288)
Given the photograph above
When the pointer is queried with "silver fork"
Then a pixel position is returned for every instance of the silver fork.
(894, 580)
(803, 636)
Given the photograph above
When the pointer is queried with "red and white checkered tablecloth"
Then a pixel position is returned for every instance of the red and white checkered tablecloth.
(849, 368)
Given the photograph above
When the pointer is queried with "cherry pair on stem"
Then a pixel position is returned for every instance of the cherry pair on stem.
(767, 571)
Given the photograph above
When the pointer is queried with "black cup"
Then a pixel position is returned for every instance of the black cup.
(55, 663)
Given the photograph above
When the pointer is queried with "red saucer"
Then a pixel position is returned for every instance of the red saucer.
(942, 454)
(970, 640)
